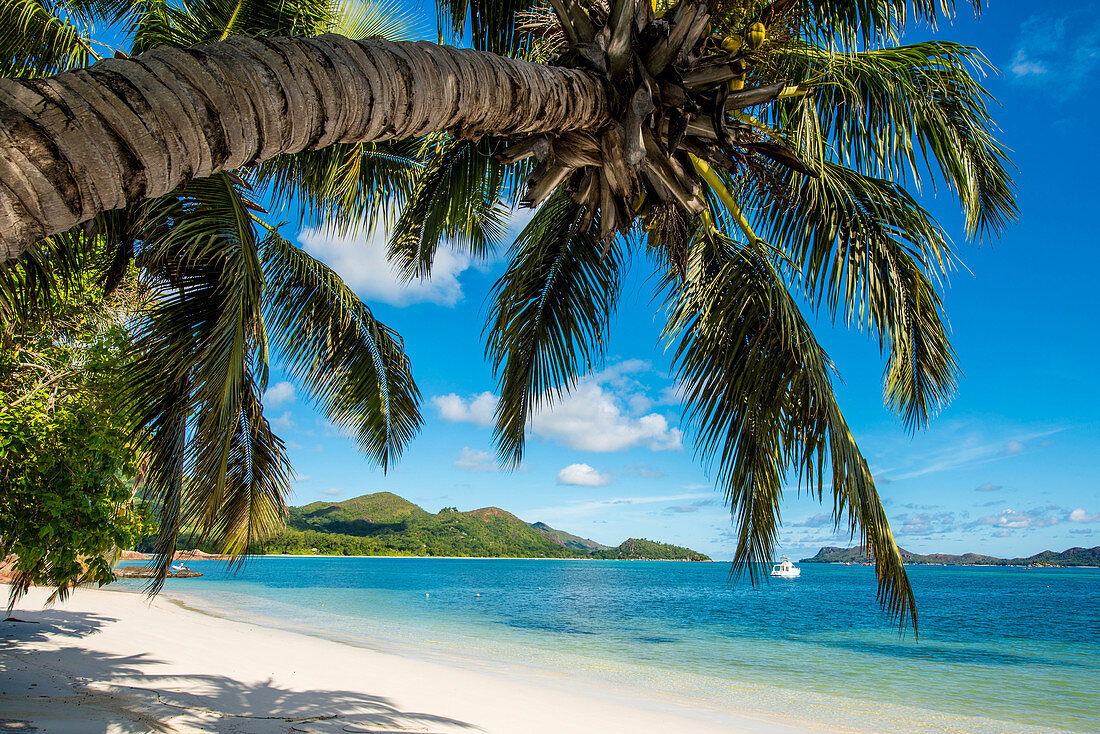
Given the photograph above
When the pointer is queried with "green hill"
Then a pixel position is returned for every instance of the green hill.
(385, 524)
(640, 549)
(365, 515)
(568, 539)
(858, 554)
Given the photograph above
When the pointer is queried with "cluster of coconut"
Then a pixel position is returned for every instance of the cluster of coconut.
(680, 96)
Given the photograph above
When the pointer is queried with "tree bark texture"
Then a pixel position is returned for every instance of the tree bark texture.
(122, 130)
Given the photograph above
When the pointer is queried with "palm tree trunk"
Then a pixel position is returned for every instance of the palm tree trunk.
(122, 130)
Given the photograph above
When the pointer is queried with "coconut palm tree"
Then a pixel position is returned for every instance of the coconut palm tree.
(226, 290)
(757, 152)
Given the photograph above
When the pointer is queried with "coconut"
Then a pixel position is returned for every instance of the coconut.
(757, 34)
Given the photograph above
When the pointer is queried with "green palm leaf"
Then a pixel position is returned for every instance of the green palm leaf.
(871, 21)
(204, 346)
(346, 185)
(550, 313)
(492, 23)
(26, 286)
(351, 363)
(37, 39)
(892, 112)
(866, 249)
(757, 390)
(386, 19)
(457, 197)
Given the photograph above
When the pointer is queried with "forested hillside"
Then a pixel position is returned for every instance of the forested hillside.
(385, 524)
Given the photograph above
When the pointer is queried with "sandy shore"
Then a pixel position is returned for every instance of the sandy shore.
(113, 662)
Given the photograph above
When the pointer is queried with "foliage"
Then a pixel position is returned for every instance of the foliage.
(640, 549)
(777, 147)
(379, 508)
(65, 448)
(226, 293)
(789, 194)
(385, 524)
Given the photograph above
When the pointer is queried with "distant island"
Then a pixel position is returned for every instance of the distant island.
(858, 554)
(384, 524)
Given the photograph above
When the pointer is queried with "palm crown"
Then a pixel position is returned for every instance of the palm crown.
(746, 218)
(757, 153)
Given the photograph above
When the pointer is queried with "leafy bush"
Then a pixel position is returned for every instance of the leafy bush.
(65, 455)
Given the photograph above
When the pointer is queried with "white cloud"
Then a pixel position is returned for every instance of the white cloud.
(617, 373)
(476, 460)
(302, 477)
(966, 450)
(673, 395)
(477, 409)
(284, 422)
(598, 415)
(1013, 520)
(988, 487)
(360, 259)
(1023, 66)
(279, 393)
(925, 523)
(333, 492)
(819, 520)
(583, 475)
(592, 418)
(1079, 515)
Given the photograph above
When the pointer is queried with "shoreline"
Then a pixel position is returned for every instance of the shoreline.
(189, 664)
(119, 659)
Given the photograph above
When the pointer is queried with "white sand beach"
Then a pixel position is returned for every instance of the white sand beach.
(106, 661)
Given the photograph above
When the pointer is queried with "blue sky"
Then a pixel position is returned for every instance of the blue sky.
(1009, 468)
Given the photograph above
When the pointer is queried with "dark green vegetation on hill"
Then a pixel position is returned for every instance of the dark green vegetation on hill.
(1070, 557)
(385, 524)
(640, 548)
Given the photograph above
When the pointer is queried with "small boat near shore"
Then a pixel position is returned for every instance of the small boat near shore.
(785, 569)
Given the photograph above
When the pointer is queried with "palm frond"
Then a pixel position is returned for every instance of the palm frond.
(253, 502)
(550, 314)
(492, 23)
(28, 285)
(192, 22)
(758, 393)
(895, 112)
(344, 185)
(103, 14)
(866, 249)
(39, 40)
(353, 365)
(457, 196)
(203, 346)
(388, 19)
(873, 21)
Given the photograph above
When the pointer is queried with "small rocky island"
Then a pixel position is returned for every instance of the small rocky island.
(148, 572)
(859, 556)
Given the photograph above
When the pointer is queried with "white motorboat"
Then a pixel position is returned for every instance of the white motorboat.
(785, 569)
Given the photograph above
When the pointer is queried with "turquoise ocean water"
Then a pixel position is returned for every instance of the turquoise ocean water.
(1000, 649)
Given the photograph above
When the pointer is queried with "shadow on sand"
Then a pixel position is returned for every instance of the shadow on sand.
(61, 683)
